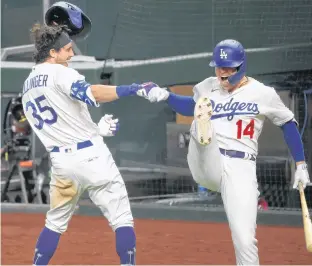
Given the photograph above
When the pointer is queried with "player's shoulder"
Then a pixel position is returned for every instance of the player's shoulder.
(260, 87)
(68, 73)
(65, 69)
(207, 84)
(57, 68)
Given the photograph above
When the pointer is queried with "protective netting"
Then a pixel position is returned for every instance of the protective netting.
(149, 29)
(163, 36)
(303, 111)
(275, 167)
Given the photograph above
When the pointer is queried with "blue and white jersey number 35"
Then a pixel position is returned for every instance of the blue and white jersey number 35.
(38, 109)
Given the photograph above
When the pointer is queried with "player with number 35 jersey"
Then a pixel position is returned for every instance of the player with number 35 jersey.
(55, 102)
(48, 101)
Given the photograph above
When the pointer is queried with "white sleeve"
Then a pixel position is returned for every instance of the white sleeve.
(203, 88)
(74, 85)
(66, 77)
(196, 93)
(276, 110)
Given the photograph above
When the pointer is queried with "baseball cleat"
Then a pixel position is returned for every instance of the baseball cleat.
(202, 116)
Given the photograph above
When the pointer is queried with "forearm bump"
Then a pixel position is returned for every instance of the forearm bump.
(183, 105)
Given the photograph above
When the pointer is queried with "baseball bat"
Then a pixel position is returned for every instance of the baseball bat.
(307, 225)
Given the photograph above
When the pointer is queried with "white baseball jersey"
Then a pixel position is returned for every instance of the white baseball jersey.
(56, 117)
(238, 117)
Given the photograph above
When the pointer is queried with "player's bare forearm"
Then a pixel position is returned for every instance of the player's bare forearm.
(108, 93)
(104, 93)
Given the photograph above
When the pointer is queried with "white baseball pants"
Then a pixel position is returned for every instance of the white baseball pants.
(91, 169)
(236, 179)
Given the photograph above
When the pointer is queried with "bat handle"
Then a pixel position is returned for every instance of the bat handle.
(307, 225)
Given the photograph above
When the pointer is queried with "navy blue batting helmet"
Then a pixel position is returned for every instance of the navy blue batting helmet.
(230, 53)
(77, 23)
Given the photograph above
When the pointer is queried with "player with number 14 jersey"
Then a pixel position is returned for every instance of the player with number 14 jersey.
(229, 111)
(238, 117)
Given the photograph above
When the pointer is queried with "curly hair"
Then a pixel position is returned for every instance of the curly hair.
(44, 38)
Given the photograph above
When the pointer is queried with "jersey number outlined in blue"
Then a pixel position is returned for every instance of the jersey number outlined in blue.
(37, 106)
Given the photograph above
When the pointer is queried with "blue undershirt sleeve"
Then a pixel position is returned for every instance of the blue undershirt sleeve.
(293, 140)
(183, 105)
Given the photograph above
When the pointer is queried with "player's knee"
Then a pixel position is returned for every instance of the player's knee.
(126, 244)
(207, 184)
(198, 180)
(123, 218)
(56, 228)
(126, 222)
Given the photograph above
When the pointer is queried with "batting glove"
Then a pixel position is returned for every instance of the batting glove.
(301, 175)
(108, 126)
(152, 92)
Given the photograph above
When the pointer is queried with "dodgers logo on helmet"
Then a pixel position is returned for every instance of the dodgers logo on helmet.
(230, 53)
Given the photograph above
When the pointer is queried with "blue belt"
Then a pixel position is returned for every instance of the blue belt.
(237, 154)
(80, 145)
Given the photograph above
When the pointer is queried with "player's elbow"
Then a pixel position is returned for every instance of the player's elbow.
(96, 93)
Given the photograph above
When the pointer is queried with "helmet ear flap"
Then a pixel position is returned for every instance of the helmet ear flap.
(234, 79)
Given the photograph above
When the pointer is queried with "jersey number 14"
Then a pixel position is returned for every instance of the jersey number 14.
(247, 131)
(38, 108)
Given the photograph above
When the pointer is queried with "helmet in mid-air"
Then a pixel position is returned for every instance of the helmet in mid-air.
(230, 53)
(78, 24)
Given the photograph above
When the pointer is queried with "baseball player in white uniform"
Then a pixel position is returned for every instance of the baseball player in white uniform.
(229, 111)
(55, 101)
